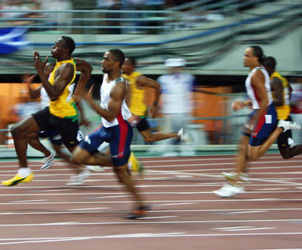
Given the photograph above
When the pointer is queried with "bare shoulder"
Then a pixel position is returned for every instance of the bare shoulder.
(258, 76)
(119, 90)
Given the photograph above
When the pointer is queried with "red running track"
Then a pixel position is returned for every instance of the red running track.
(46, 214)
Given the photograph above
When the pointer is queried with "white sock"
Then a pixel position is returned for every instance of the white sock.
(24, 172)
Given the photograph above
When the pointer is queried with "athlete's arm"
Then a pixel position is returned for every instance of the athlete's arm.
(63, 77)
(85, 75)
(117, 97)
(237, 105)
(83, 120)
(143, 81)
(33, 93)
(277, 89)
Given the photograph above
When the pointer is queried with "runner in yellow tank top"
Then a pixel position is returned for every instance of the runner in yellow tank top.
(281, 94)
(64, 106)
(62, 115)
(139, 109)
(137, 104)
(281, 91)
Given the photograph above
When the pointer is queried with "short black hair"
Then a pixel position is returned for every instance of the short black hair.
(69, 44)
(258, 52)
(132, 61)
(118, 56)
(270, 62)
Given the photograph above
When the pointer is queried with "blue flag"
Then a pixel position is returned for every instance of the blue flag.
(12, 39)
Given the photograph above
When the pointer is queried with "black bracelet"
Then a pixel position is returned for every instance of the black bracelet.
(155, 103)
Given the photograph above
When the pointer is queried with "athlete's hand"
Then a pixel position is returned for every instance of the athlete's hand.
(39, 65)
(26, 78)
(84, 122)
(237, 105)
(87, 95)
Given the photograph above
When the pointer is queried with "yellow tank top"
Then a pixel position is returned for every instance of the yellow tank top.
(137, 105)
(64, 106)
(282, 111)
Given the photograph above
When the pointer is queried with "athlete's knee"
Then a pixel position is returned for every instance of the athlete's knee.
(77, 157)
(17, 131)
(252, 157)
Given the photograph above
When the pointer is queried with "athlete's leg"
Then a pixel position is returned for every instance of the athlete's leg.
(125, 178)
(82, 156)
(241, 158)
(255, 152)
(20, 132)
(33, 140)
(157, 136)
(290, 152)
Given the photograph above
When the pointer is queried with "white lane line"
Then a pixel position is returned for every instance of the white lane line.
(249, 212)
(271, 189)
(89, 208)
(141, 235)
(230, 211)
(185, 164)
(177, 204)
(29, 201)
(149, 222)
(150, 201)
(38, 189)
(101, 195)
(243, 228)
(155, 201)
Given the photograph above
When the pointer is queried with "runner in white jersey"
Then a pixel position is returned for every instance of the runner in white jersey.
(261, 129)
(105, 91)
(251, 90)
(116, 130)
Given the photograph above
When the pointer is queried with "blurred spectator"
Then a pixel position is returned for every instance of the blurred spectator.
(20, 9)
(104, 4)
(53, 6)
(115, 6)
(176, 98)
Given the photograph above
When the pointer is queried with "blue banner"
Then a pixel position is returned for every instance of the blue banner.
(12, 39)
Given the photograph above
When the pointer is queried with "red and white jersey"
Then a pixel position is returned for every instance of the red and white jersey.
(105, 91)
(251, 91)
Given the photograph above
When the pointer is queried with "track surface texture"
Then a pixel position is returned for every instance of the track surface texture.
(185, 214)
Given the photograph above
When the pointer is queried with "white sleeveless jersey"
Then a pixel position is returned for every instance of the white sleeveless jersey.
(105, 97)
(250, 91)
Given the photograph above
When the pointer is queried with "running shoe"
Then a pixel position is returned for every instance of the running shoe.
(233, 176)
(48, 160)
(287, 125)
(229, 190)
(138, 213)
(184, 136)
(79, 179)
(135, 165)
(18, 179)
(95, 169)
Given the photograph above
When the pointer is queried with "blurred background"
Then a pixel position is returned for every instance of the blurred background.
(210, 36)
